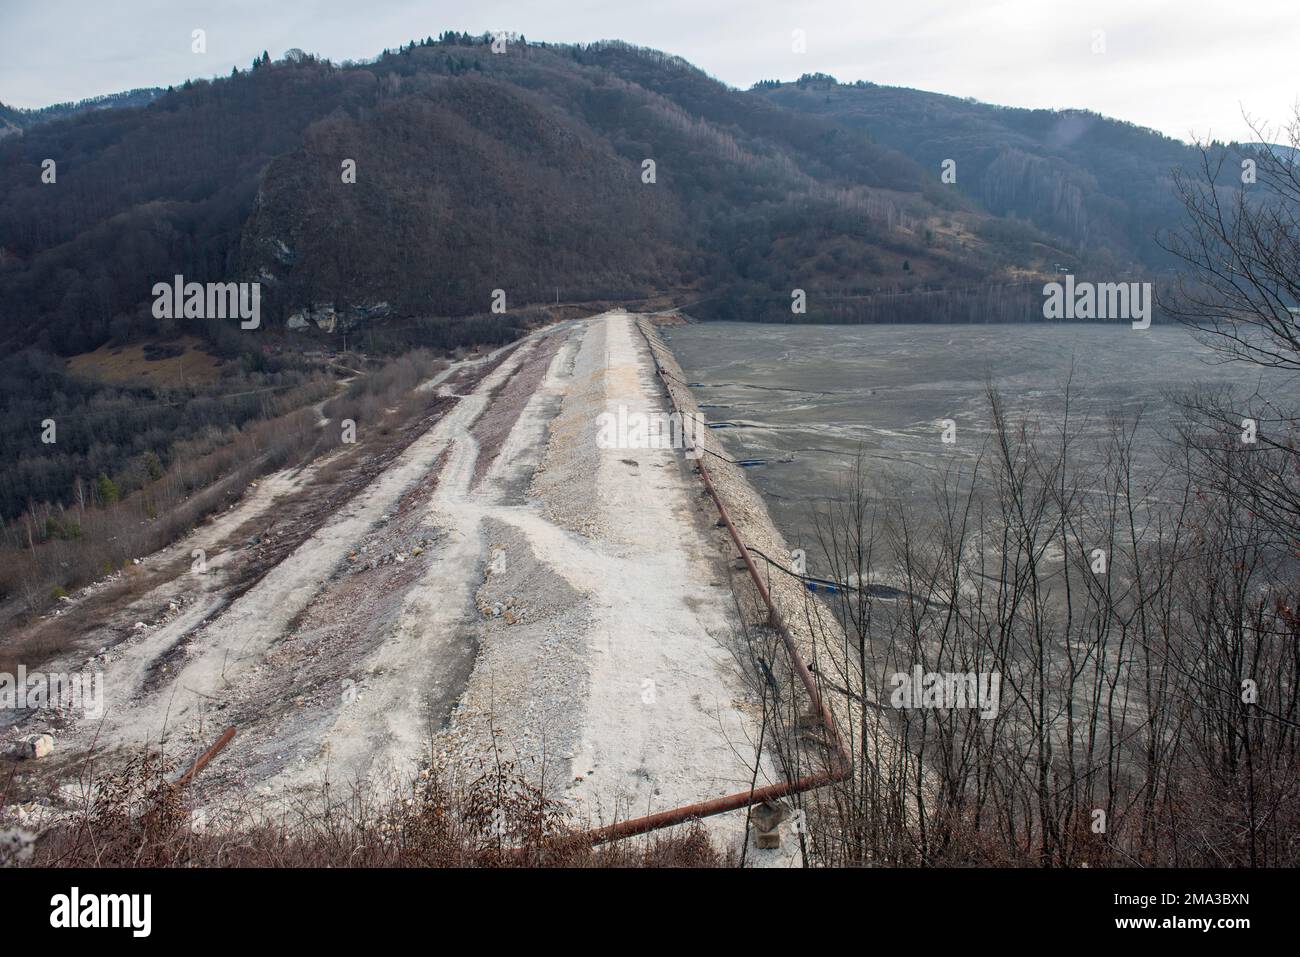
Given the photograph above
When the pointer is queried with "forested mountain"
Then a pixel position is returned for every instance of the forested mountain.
(581, 173)
(475, 171)
(1097, 183)
(523, 171)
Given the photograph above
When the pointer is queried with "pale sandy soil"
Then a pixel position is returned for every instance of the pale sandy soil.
(627, 691)
(503, 582)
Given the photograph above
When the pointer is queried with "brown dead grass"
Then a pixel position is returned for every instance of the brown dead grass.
(139, 363)
(138, 818)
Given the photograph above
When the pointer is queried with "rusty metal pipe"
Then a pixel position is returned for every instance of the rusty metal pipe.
(775, 620)
(841, 763)
(774, 616)
(690, 812)
(202, 760)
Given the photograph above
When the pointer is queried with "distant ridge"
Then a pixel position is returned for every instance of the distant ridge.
(15, 120)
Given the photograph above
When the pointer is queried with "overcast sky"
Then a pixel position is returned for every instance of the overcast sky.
(1185, 67)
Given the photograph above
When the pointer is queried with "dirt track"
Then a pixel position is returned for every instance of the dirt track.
(500, 582)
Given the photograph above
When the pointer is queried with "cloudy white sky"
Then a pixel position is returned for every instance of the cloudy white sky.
(1185, 67)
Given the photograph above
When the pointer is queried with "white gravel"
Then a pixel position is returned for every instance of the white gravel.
(590, 583)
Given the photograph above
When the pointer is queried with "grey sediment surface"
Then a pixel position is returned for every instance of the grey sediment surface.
(754, 524)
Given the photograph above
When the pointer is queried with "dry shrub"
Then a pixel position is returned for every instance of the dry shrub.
(137, 818)
(210, 472)
(152, 518)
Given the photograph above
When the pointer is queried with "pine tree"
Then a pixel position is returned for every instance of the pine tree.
(107, 489)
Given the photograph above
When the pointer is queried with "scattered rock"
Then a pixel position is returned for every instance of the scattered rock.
(37, 746)
(16, 845)
(766, 821)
